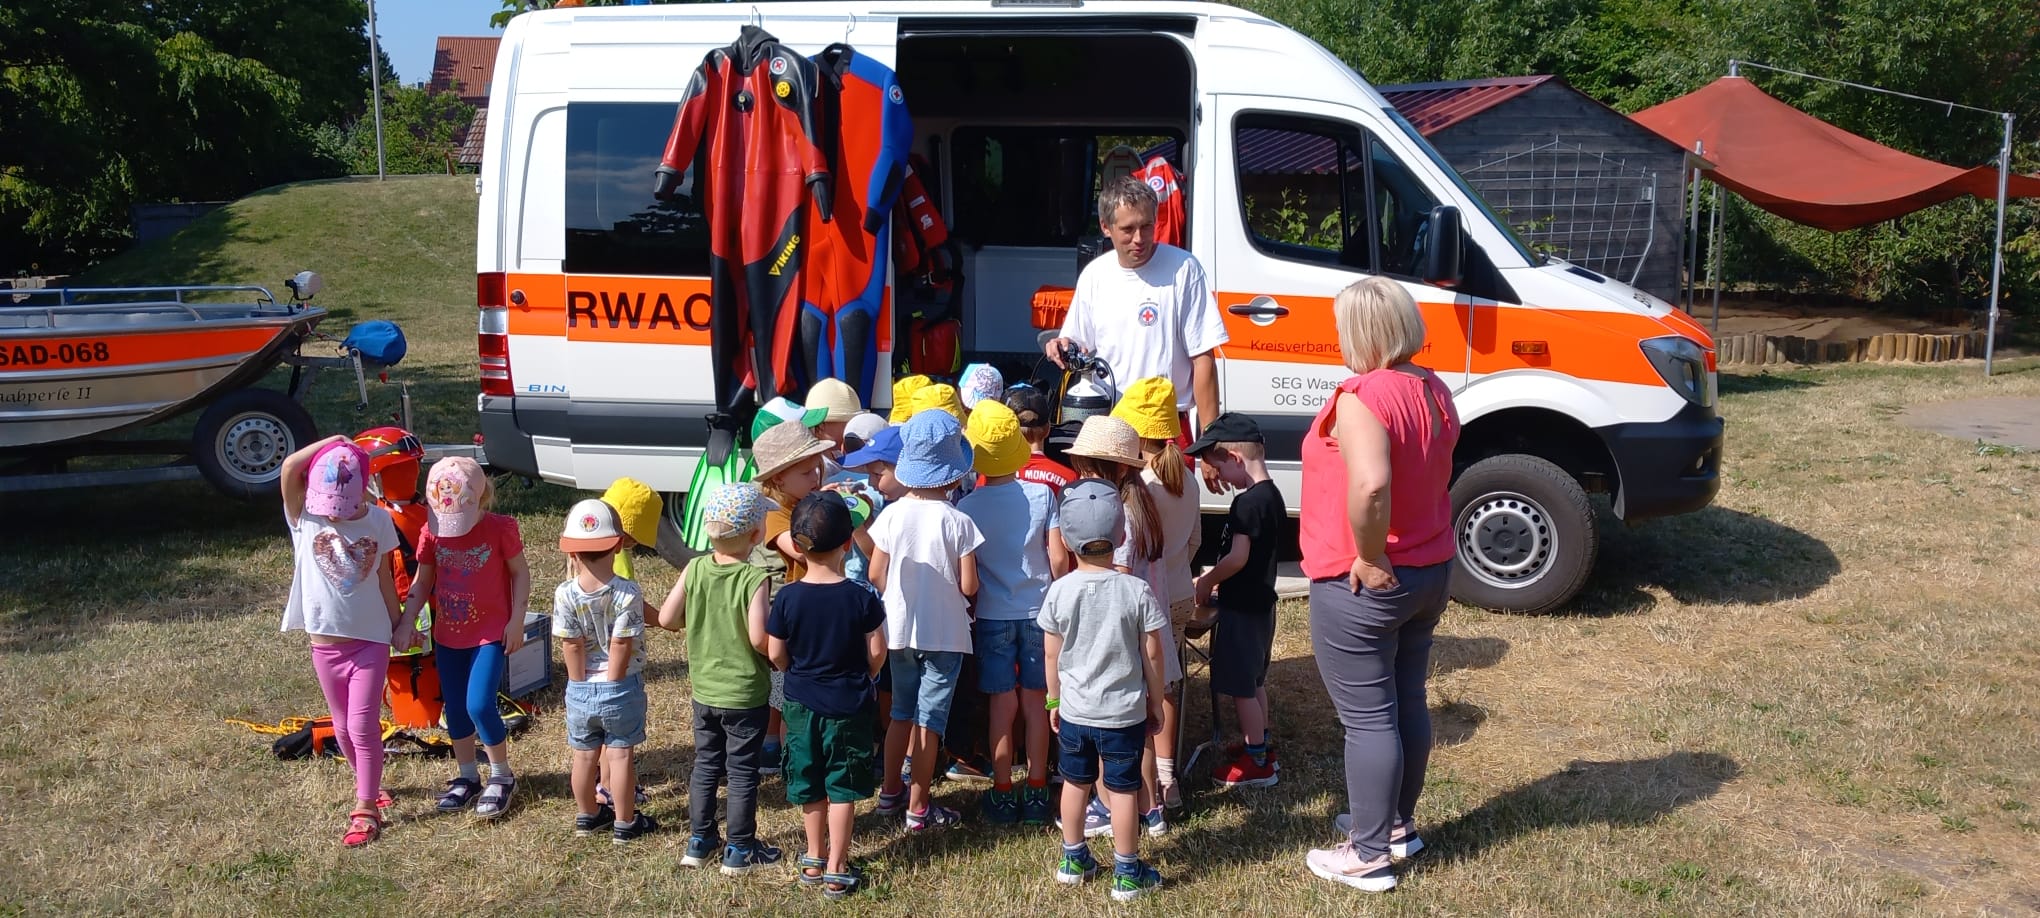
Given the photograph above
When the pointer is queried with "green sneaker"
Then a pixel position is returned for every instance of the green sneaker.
(1001, 807)
(1128, 886)
(1035, 810)
(1075, 867)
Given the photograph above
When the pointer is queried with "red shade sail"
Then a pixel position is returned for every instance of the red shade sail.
(1806, 170)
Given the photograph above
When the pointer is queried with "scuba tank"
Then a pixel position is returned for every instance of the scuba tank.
(1087, 396)
(1088, 391)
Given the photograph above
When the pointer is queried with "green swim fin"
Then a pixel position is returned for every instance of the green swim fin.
(721, 463)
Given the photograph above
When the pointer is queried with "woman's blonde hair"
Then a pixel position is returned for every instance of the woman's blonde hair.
(1379, 325)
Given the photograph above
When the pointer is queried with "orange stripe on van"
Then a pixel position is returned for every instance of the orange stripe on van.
(625, 309)
(1583, 344)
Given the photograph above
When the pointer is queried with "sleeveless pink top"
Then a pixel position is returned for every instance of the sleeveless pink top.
(1420, 474)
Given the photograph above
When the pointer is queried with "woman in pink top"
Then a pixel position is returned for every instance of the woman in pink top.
(1376, 533)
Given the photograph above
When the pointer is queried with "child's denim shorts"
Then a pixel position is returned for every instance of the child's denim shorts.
(606, 713)
(923, 685)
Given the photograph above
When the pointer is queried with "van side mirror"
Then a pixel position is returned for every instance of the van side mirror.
(1442, 237)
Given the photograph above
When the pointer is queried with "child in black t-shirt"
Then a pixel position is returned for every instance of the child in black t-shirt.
(1242, 584)
(827, 633)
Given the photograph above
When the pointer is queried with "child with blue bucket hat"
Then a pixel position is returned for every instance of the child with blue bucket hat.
(924, 564)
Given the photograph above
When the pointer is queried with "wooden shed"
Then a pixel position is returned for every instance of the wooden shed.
(1573, 176)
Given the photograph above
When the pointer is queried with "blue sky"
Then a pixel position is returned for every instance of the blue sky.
(409, 30)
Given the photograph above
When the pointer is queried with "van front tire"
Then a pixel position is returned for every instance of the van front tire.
(1525, 532)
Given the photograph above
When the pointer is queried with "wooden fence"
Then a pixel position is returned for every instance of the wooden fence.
(1756, 350)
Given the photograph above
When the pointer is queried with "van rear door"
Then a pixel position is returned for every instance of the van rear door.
(630, 289)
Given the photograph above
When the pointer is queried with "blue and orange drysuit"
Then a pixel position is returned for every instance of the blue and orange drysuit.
(870, 136)
(748, 129)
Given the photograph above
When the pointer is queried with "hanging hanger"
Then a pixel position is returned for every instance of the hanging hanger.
(757, 18)
(849, 27)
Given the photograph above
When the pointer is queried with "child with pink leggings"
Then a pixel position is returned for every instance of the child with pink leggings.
(343, 594)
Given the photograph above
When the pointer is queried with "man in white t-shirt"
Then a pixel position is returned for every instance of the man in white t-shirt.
(1150, 310)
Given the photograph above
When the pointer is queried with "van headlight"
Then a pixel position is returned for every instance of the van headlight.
(1683, 364)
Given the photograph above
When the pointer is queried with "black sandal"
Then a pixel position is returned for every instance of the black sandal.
(842, 885)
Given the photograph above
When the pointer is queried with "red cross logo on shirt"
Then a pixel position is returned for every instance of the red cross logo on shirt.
(1148, 314)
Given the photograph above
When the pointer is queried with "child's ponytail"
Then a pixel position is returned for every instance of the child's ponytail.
(1143, 521)
(1166, 461)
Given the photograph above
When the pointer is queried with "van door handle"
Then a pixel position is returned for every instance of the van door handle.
(1261, 307)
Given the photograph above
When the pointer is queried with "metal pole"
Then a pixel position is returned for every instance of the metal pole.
(375, 89)
(1997, 255)
(1715, 230)
(1693, 233)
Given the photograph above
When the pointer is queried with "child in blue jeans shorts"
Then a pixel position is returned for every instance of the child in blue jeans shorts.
(599, 618)
(1023, 552)
(924, 563)
(1103, 641)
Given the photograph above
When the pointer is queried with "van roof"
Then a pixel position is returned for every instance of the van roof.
(1257, 55)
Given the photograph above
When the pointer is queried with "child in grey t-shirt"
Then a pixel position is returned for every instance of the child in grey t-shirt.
(1102, 635)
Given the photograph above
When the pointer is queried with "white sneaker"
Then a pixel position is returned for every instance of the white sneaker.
(1343, 865)
(1403, 843)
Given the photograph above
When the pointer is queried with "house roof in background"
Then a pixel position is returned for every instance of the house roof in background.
(471, 143)
(1433, 107)
(470, 60)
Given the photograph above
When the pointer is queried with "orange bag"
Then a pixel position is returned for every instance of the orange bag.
(412, 691)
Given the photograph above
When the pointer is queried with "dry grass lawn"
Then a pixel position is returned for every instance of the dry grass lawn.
(1815, 697)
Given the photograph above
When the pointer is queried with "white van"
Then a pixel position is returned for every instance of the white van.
(1298, 178)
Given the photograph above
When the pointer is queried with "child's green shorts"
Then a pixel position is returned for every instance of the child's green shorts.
(829, 758)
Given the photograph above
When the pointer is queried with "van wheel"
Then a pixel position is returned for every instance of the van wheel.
(242, 439)
(1526, 535)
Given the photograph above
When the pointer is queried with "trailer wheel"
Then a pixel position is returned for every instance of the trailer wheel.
(243, 438)
(1526, 535)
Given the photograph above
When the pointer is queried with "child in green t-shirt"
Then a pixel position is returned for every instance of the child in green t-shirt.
(720, 602)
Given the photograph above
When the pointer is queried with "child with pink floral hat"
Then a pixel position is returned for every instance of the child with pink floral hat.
(471, 565)
(343, 595)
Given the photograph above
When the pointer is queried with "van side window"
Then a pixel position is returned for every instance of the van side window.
(1303, 189)
(1036, 186)
(614, 224)
(1402, 205)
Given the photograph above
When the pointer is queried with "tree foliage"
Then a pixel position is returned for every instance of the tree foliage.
(1633, 54)
(105, 103)
(421, 130)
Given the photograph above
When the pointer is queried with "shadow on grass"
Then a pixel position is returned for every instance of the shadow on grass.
(169, 552)
(1751, 383)
(1621, 794)
(1715, 555)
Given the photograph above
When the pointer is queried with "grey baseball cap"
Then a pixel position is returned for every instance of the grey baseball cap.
(1092, 518)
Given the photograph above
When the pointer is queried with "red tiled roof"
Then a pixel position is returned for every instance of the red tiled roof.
(469, 60)
(471, 144)
(1433, 107)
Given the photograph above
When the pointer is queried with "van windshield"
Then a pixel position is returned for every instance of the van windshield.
(1410, 131)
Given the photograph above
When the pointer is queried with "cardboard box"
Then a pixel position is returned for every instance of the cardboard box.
(530, 668)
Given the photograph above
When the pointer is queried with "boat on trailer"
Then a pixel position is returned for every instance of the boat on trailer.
(82, 363)
(80, 366)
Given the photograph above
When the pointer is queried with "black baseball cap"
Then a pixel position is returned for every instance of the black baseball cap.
(1230, 427)
(821, 522)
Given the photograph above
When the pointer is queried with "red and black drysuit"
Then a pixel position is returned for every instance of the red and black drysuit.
(748, 129)
(869, 136)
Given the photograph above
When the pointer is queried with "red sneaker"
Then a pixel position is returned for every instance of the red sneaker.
(1242, 772)
(1236, 748)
